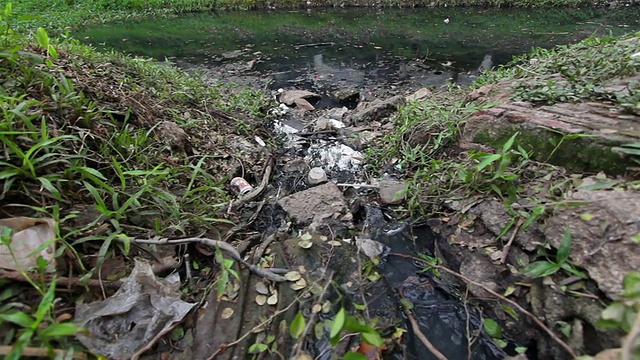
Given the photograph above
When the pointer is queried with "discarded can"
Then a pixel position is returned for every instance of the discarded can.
(242, 185)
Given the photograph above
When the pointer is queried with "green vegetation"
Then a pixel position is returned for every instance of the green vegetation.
(576, 72)
(96, 142)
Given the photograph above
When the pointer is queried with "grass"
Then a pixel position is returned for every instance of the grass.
(571, 73)
(110, 147)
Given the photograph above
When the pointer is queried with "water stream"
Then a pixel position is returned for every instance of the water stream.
(365, 48)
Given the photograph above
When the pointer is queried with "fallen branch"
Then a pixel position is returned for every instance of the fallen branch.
(43, 352)
(300, 46)
(226, 247)
(501, 297)
(416, 329)
(60, 281)
(505, 250)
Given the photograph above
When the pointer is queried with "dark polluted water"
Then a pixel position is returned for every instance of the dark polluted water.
(366, 48)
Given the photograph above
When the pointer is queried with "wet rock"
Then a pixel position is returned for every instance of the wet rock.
(602, 235)
(494, 216)
(345, 96)
(316, 204)
(392, 191)
(376, 110)
(172, 135)
(289, 97)
(420, 95)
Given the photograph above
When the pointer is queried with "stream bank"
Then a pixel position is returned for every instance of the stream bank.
(173, 154)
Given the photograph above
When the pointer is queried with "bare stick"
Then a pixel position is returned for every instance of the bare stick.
(228, 248)
(416, 329)
(503, 298)
(505, 250)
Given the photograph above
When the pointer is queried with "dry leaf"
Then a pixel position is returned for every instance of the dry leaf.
(293, 276)
(261, 288)
(261, 299)
(273, 299)
(226, 313)
(29, 235)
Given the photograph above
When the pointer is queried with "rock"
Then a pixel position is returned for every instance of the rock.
(233, 54)
(345, 96)
(494, 216)
(337, 113)
(326, 124)
(304, 104)
(601, 234)
(479, 268)
(172, 135)
(289, 97)
(541, 127)
(376, 110)
(392, 191)
(420, 95)
(315, 204)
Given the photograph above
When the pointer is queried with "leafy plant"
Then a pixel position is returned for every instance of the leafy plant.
(547, 267)
(624, 314)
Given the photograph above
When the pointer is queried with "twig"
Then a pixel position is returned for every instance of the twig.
(43, 353)
(505, 250)
(501, 297)
(299, 46)
(630, 340)
(312, 319)
(416, 329)
(228, 248)
(61, 281)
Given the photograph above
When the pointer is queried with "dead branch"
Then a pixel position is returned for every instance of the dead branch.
(501, 297)
(505, 250)
(226, 247)
(416, 328)
(300, 46)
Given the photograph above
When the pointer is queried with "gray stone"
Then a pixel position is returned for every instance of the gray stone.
(479, 268)
(602, 241)
(392, 191)
(172, 135)
(315, 204)
(494, 216)
(289, 97)
(347, 95)
(420, 95)
(376, 110)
